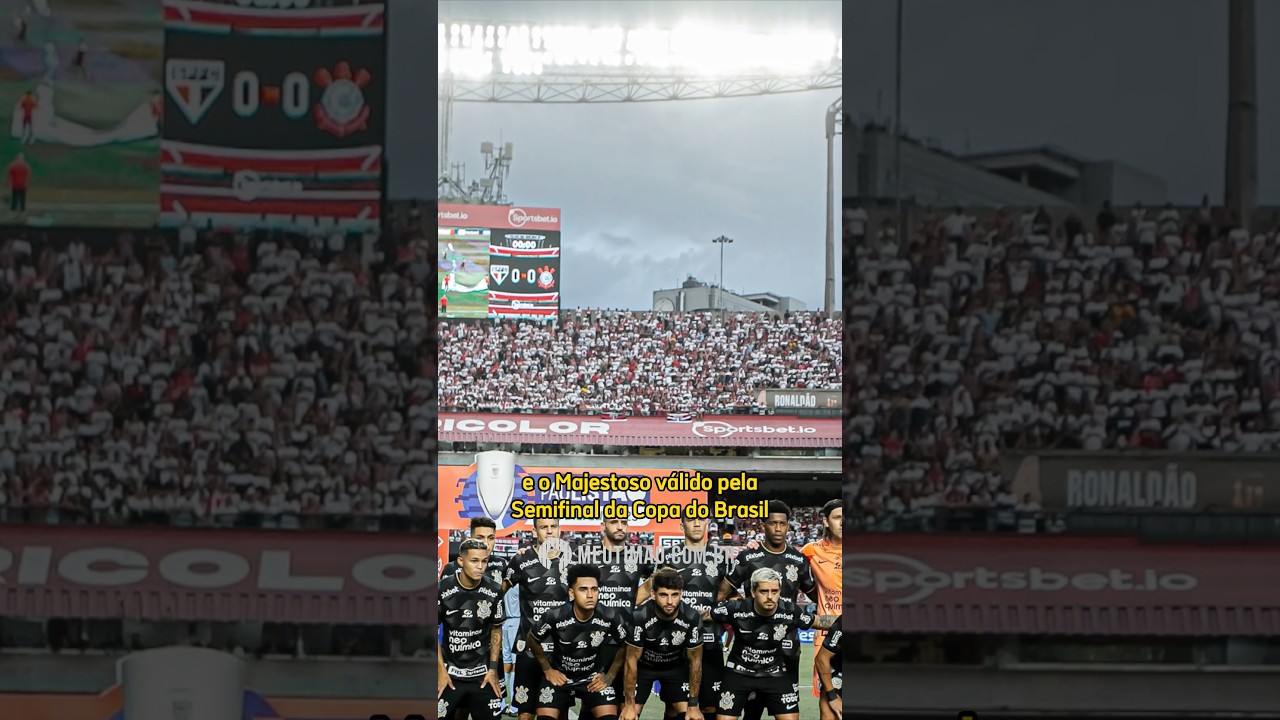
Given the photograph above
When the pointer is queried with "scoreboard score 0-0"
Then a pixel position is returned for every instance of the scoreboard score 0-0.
(498, 262)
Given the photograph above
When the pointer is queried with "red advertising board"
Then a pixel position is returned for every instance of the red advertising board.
(107, 706)
(502, 217)
(711, 431)
(1055, 584)
(221, 575)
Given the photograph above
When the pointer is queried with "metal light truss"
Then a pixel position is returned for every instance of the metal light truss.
(569, 88)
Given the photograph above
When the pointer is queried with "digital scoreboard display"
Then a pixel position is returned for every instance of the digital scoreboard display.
(274, 114)
(498, 262)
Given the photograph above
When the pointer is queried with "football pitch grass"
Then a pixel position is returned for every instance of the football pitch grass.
(808, 703)
(475, 254)
(465, 306)
(117, 184)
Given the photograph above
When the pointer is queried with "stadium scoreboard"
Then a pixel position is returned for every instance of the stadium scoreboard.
(274, 115)
(498, 261)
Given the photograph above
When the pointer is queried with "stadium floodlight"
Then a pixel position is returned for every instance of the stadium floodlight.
(471, 49)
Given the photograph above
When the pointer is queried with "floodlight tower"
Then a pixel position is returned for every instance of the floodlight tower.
(835, 120)
(1242, 111)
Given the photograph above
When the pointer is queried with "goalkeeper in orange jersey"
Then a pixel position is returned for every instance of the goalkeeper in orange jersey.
(825, 557)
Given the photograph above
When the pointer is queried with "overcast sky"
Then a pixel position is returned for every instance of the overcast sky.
(1142, 81)
(644, 188)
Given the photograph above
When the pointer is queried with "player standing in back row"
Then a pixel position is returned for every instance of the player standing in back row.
(471, 624)
(540, 573)
(703, 567)
(795, 577)
(486, 531)
(623, 570)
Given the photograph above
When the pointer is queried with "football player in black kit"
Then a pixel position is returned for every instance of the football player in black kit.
(764, 636)
(665, 646)
(703, 567)
(583, 659)
(471, 620)
(539, 572)
(830, 673)
(622, 572)
(486, 531)
(795, 577)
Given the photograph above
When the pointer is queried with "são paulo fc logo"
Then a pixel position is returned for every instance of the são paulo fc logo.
(342, 109)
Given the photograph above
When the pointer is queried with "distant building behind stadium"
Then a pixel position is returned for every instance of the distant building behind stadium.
(1025, 177)
(693, 295)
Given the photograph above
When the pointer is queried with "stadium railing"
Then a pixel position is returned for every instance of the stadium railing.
(1230, 527)
(422, 520)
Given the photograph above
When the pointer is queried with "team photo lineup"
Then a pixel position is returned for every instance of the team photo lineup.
(697, 628)
(640, 463)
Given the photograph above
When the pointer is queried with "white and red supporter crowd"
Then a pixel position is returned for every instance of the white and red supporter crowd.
(645, 363)
(1148, 328)
(279, 380)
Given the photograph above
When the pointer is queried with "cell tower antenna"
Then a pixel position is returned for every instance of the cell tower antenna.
(497, 165)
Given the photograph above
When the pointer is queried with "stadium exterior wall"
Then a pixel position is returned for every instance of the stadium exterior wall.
(933, 178)
(328, 678)
(221, 575)
(1170, 691)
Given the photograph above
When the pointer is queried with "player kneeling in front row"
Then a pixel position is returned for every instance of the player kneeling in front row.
(573, 644)
(665, 647)
(764, 638)
(830, 676)
(471, 618)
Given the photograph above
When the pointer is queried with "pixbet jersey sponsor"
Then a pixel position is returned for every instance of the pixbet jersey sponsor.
(899, 579)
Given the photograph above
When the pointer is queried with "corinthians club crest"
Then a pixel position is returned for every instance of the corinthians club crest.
(342, 109)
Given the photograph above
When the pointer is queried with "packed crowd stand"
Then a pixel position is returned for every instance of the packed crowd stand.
(642, 363)
(272, 380)
(977, 332)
